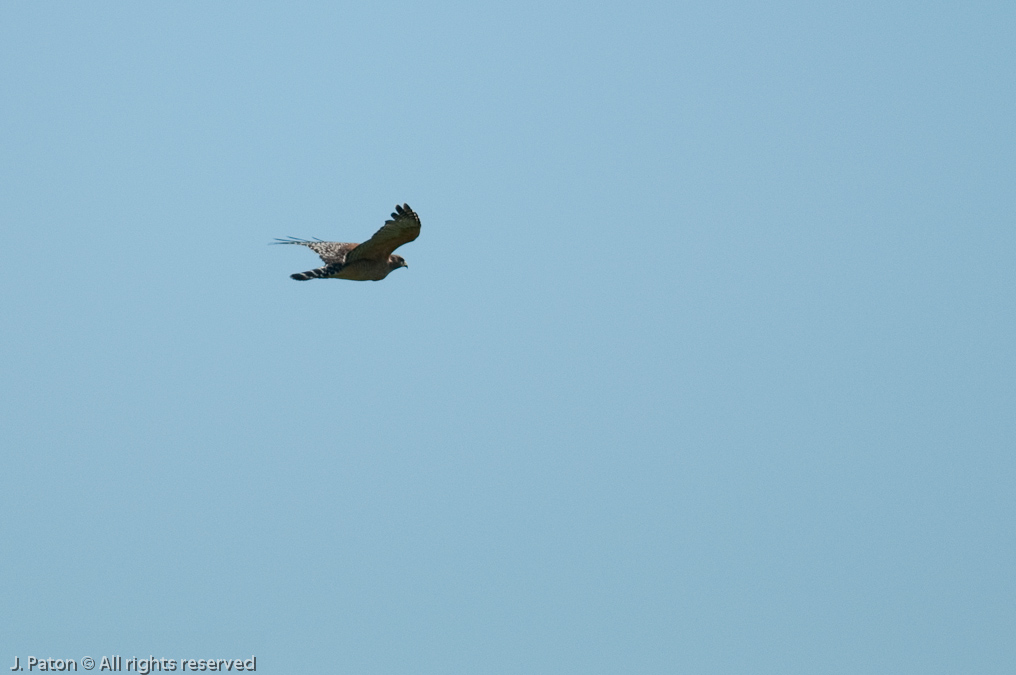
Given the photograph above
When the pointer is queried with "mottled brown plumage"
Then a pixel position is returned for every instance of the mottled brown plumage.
(372, 260)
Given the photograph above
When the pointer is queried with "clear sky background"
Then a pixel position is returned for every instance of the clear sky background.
(703, 363)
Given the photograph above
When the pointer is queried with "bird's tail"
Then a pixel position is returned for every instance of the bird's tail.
(319, 273)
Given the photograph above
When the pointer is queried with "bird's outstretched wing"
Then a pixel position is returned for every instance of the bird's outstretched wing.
(330, 251)
(402, 228)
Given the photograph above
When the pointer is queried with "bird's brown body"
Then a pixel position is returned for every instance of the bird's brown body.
(369, 270)
(372, 260)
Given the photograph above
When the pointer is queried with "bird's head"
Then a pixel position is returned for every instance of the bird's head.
(397, 261)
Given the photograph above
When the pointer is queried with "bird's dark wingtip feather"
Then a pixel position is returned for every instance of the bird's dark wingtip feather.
(403, 211)
(295, 240)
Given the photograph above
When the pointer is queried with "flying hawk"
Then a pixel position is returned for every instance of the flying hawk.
(370, 261)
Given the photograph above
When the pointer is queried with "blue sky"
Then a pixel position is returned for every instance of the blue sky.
(703, 363)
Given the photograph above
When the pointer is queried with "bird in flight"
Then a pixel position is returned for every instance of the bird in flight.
(370, 261)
